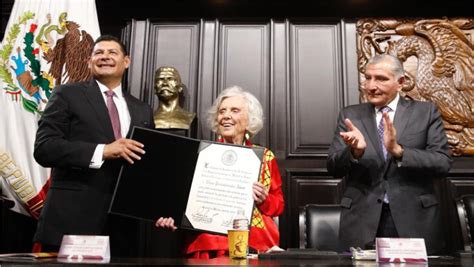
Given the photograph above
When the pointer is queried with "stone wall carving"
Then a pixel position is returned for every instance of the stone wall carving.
(438, 57)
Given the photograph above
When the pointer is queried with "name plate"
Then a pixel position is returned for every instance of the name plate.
(412, 250)
(89, 247)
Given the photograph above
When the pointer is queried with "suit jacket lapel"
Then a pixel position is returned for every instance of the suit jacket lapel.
(368, 120)
(132, 109)
(96, 100)
(400, 120)
(401, 117)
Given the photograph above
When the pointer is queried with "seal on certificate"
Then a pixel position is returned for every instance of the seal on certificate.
(229, 157)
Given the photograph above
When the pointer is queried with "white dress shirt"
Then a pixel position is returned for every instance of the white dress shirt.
(393, 108)
(124, 116)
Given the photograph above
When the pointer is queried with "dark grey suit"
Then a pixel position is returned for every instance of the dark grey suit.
(74, 122)
(410, 187)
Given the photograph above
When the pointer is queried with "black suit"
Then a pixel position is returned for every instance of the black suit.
(74, 122)
(410, 187)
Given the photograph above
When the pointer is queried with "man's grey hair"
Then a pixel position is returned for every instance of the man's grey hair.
(395, 64)
(255, 110)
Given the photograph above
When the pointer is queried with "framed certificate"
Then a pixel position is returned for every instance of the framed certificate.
(201, 184)
(221, 186)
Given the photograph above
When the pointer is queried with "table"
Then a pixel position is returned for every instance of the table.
(333, 260)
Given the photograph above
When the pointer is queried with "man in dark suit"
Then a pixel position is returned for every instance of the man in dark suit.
(82, 137)
(390, 169)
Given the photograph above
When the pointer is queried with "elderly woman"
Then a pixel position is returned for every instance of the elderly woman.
(236, 116)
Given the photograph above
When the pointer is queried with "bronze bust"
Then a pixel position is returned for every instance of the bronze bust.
(169, 115)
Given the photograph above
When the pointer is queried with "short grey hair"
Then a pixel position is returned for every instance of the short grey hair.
(255, 110)
(396, 65)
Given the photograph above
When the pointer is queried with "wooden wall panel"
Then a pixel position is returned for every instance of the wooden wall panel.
(316, 86)
(207, 77)
(279, 87)
(349, 64)
(244, 61)
(458, 186)
(135, 36)
(153, 45)
(175, 45)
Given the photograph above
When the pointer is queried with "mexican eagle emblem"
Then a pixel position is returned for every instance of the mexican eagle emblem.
(32, 68)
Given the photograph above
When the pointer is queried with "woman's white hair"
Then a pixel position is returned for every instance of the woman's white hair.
(255, 110)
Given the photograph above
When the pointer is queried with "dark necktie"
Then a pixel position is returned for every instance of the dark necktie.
(380, 130)
(113, 114)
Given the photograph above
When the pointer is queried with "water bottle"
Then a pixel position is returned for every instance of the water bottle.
(240, 222)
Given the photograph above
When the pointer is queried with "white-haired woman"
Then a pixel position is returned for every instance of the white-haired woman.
(236, 116)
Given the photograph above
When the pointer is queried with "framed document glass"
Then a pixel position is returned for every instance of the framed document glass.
(221, 186)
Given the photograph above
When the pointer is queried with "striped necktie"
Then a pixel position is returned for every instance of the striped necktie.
(380, 130)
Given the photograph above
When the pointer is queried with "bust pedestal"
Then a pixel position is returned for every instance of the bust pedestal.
(180, 132)
(191, 132)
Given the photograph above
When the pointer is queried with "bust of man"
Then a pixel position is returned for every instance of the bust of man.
(169, 115)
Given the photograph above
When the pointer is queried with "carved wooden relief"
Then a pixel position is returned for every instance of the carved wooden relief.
(438, 57)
